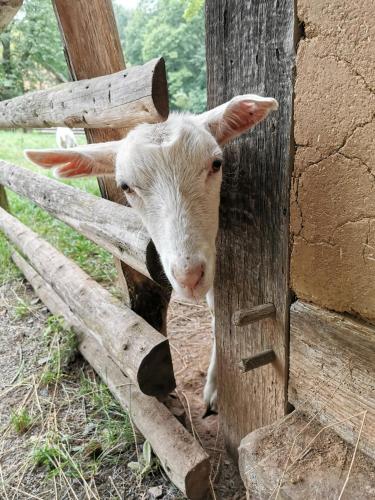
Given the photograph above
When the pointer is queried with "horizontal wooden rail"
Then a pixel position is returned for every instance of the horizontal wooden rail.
(184, 461)
(112, 226)
(121, 100)
(142, 352)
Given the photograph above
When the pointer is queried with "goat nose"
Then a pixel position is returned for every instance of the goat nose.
(188, 277)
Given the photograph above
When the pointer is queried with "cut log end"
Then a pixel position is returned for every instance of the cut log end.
(196, 478)
(159, 90)
(155, 374)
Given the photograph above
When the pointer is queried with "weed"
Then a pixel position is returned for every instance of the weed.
(63, 349)
(114, 431)
(21, 421)
(21, 310)
(99, 396)
(146, 462)
(54, 456)
(50, 456)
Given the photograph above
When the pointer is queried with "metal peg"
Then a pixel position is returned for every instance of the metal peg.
(261, 359)
(245, 316)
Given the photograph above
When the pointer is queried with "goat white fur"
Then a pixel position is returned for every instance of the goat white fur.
(65, 138)
(170, 173)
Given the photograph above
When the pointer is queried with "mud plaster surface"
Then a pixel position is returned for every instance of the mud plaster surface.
(333, 187)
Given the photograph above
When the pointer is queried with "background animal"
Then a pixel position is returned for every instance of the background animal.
(65, 138)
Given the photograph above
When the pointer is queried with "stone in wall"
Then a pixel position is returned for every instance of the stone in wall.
(333, 186)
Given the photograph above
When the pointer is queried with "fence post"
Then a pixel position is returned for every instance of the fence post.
(92, 48)
(250, 49)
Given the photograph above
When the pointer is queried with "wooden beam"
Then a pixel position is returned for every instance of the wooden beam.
(8, 9)
(182, 458)
(120, 100)
(114, 227)
(92, 48)
(250, 49)
(246, 316)
(332, 371)
(141, 352)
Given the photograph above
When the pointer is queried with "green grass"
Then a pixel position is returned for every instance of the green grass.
(96, 262)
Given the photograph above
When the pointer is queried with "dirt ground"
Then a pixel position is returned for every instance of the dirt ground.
(62, 410)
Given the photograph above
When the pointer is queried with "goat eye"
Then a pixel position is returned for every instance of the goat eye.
(216, 165)
(125, 187)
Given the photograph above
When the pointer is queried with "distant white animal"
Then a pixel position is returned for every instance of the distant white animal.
(171, 174)
(65, 138)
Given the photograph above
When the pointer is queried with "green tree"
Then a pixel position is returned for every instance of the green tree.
(32, 54)
(168, 28)
(11, 82)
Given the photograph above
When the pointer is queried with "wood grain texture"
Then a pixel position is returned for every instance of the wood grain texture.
(245, 316)
(114, 227)
(92, 48)
(141, 351)
(123, 99)
(8, 9)
(250, 49)
(184, 461)
(332, 370)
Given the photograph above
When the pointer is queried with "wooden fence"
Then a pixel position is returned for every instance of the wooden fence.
(125, 344)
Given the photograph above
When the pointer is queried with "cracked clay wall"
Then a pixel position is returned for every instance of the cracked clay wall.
(333, 186)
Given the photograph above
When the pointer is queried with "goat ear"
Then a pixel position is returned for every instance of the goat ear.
(236, 116)
(91, 160)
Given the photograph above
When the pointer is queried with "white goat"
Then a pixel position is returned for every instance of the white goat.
(65, 138)
(171, 175)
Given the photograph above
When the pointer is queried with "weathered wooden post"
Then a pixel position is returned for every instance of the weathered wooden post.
(250, 49)
(98, 53)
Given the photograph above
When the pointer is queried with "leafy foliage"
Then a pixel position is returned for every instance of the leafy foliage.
(175, 30)
(32, 53)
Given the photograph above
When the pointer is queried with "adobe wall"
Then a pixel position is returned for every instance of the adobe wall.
(333, 188)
